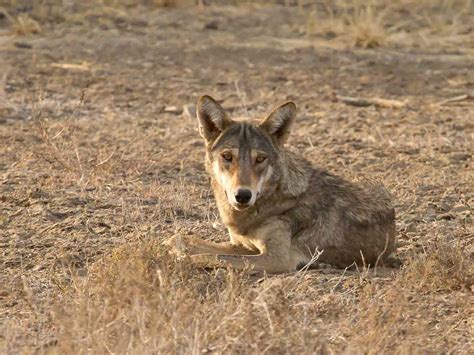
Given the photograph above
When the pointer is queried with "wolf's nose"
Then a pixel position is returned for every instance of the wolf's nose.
(243, 196)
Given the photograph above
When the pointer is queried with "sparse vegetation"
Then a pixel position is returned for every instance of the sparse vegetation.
(98, 168)
(371, 24)
(142, 300)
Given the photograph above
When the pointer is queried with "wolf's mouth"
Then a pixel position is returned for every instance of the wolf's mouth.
(240, 206)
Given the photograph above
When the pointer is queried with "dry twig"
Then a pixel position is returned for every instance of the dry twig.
(375, 101)
(453, 99)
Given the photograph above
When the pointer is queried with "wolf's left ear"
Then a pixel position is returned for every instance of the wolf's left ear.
(211, 117)
(279, 122)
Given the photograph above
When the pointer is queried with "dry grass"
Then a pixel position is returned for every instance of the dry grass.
(360, 24)
(371, 24)
(140, 300)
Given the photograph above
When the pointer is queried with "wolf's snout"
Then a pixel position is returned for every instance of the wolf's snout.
(243, 196)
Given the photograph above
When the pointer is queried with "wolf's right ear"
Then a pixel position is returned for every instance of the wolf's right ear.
(211, 117)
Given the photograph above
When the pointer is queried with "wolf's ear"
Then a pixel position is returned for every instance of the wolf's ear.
(211, 117)
(279, 122)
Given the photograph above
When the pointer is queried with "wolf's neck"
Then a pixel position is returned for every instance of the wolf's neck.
(293, 174)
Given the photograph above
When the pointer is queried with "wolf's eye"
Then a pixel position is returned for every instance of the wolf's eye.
(260, 159)
(227, 156)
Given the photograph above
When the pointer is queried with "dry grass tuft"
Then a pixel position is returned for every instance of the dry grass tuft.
(366, 28)
(24, 25)
(445, 266)
(358, 23)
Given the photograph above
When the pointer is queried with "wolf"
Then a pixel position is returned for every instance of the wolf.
(281, 212)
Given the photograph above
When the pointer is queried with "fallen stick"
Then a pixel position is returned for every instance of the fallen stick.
(173, 109)
(453, 99)
(81, 67)
(364, 102)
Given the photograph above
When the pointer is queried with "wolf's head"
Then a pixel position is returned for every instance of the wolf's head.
(243, 155)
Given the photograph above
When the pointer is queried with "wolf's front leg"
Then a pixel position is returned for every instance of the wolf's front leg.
(262, 262)
(276, 254)
(191, 246)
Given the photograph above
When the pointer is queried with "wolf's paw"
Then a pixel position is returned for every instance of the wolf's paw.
(177, 245)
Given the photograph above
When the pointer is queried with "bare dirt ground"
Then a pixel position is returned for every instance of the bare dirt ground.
(98, 166)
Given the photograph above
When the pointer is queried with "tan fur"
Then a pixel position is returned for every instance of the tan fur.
(296, 210)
